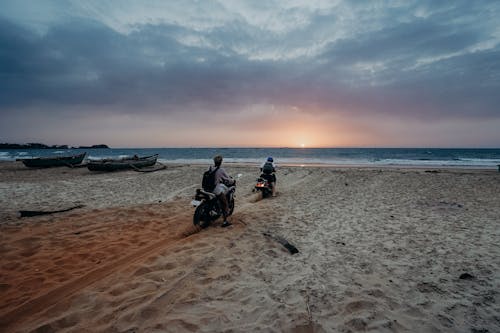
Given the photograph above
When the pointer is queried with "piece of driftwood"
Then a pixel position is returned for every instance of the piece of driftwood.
(29, 213)
(292, 249)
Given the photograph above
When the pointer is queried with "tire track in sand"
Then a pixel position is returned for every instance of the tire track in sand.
(12, 318)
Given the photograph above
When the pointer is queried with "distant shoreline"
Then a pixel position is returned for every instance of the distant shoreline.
(44, 146)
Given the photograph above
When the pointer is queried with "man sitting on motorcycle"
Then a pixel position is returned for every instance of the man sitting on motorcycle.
(222, 181)
(268, 168)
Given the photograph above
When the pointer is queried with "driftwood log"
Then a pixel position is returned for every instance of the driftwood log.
(292, 249)
(30, 213)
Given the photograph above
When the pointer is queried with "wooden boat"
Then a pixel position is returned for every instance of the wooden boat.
(53, 161)
(122, 164)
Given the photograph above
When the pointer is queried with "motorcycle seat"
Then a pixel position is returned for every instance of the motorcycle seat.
(210, 195)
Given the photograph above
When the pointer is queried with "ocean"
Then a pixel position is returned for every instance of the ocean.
(431, 157)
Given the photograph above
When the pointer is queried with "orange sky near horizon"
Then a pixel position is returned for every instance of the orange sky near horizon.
(260, 126)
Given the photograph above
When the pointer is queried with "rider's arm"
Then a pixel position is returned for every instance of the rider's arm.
(225, 178)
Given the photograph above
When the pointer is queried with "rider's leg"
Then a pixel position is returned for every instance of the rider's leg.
(220, 191)
(225, 210)
(223, 201)
(274, 184)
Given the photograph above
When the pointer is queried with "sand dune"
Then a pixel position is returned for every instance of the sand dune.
(380, 250)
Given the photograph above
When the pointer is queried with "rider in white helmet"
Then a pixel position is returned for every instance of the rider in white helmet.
(268, 169)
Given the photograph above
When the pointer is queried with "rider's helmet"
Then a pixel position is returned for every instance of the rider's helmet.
(270, 159)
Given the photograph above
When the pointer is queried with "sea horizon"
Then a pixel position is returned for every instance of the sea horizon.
(425, 157)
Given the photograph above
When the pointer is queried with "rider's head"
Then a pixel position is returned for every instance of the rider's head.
(218, 160)
(270, 159)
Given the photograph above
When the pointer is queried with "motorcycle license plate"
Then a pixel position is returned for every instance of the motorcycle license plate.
(195, 203)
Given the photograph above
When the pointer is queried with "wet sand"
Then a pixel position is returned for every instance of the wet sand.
(383, 250)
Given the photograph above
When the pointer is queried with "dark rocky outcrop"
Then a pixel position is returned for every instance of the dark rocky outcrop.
(36, 145)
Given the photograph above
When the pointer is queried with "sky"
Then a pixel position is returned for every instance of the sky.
(233, 73)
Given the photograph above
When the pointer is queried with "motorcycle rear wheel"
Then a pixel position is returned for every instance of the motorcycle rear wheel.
(201, 217)
(265, 192)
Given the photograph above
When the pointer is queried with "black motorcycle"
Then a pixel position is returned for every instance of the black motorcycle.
(209, 208)
(264, 186)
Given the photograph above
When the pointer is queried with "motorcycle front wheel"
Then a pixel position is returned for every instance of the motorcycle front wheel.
(201, 216)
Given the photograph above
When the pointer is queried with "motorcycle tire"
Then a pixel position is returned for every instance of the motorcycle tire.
(201, 217)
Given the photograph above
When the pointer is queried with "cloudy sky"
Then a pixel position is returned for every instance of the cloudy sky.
(251, 73)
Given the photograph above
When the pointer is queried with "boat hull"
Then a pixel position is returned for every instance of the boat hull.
(49, 162)
(125, 164)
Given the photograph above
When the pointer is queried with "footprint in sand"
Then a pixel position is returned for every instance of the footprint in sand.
(358, 306)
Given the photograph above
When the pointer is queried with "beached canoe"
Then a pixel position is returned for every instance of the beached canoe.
(53, 161)
(122, 164)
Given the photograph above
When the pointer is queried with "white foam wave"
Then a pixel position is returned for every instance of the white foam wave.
(458, 163)
(480, 160)
(347, 162)
(111, 157)
(5, 156)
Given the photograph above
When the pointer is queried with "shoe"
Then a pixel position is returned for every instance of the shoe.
(226, 224)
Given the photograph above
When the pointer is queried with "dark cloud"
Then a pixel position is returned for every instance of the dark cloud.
(88, 63)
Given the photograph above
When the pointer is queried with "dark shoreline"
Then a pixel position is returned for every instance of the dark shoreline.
(15, 146)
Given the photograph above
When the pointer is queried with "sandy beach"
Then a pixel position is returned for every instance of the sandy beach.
(381, 250)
